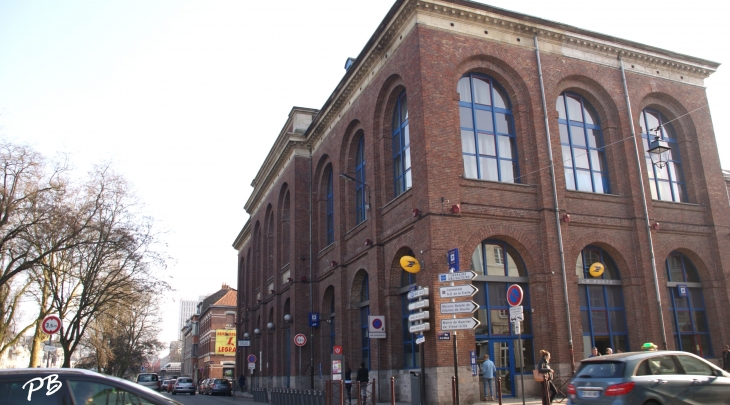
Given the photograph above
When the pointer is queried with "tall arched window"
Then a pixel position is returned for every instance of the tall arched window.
(331, 322)
(410, 348)
(601, 303)
(364, 313)
(498, 265)
(667, 183)
(401, 146)
(584, 158)
(689, 320)
(330, 209)
(487, 130)
(360, 213)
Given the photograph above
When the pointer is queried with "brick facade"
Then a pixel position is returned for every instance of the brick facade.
(424, 48)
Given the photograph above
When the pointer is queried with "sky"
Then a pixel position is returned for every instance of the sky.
(185, 98)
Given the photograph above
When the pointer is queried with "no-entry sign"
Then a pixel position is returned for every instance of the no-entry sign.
(51, 325)
(300, 339)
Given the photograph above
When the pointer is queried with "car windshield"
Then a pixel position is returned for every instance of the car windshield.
(147, 378)
(602, 369)
(220, 381)
(184, 380)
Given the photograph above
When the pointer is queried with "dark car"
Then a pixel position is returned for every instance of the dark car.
(63, 386)
(183, 385)
(149, 380)
(651, 377)
(219, 386)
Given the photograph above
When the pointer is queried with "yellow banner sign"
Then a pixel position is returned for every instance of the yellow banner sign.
(225, 342)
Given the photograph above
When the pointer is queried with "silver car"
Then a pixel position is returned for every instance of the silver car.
(149, 380)
(649, 378)
(183, 385)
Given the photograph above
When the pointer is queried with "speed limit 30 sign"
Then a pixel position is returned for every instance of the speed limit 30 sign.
(51, 325)
(300, 339)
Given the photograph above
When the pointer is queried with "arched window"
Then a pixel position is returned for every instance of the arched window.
(584, 158)
(487, 130)
(601, 303)
(410, 348)
(401, 146)
(330, 209)
(331, 322)
(364, 313)
(360, 213)
(667, 183)
(691, 332)
(498, 265)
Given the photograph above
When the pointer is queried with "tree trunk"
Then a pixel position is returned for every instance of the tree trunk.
(36, 349)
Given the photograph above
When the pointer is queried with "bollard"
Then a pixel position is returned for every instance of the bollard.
(392, 390)
(327, 392)
(453, 390)
(374, 397)
(359, 397)
(499, 390)
(342, 392)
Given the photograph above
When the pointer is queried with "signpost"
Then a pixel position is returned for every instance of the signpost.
(461, 307)
(465, 276)
(453, 260)
(251, 362)
(300, 339)
(514, 298)
(458, 291)
(376, 327)
(419, 325)
(50, 326)
(459, 324)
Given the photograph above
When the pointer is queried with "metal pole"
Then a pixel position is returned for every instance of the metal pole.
(392, 390)
(456, 371)
(557, 209)
(522, 368)
(311, 280)
(48, 354)
(644, 205)
(299, 374)
(422, 349)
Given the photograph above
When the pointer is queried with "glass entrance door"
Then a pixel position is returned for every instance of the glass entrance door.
(501, 352)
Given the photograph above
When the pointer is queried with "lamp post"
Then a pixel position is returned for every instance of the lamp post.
(659, 150)
(350, 178)
(257, 333)
(287, 345)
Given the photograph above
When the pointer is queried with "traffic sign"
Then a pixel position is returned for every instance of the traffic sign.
(420, 339)
(51, 325)
(514, 295)
(376, 327)
(418, 316)
(419, 327)
(516, 314)
(314, 319)
(461, 276)
(459, 323)
(146, 364)
(251, 358)
(421, 292)
(516, 326)
(463, 307)
(336, 349)
(252, 366)
(453, 260)
(418, 304)
(457, 291)
(300, 339)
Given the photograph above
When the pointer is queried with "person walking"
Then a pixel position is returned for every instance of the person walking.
(488, 368)
(726, 358)
(363, 375)
(609, 351)
(594, 352)
(242, 382)
(547, 372)
(348, 383)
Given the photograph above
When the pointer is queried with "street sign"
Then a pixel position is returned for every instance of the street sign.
(418, 304)
(420, 339)
(146, 364)
(682, 290)
(420, 327)
(422, 292)
(461, 276)
(463, 307)
(418, 316)
(300, 339)
(244, 343)
(410, 264)
(51, 325)
(596, 269)
(457, 291)
(47, 348)
(252, 366)
(251, 358)
(516, 326)
(376, 327)
(453, 260)
(314, 319)
(516, 314)
(459, 323)
(514, 295)
(336, 349)
(444, 336)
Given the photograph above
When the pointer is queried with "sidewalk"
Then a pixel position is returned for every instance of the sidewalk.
(248, 398)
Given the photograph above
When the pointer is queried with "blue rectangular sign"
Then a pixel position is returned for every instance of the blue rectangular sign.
(682, 290)
(453, 260)
(314, 319)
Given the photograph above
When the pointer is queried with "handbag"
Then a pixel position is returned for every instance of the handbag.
(539, 377)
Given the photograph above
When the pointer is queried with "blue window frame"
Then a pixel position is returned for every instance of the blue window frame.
(360, 213)
(401, 146)
(330, 210)
(602, 311)
(667, 183)
(487, 130)
(691, 331)
(411, 353)
(581, 139)
(364, 313)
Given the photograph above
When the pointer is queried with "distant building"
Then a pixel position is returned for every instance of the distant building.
(190, 340)
(217, 339)
(187, 309)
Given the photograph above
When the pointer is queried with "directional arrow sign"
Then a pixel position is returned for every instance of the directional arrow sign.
(459, 323)
(461, 276)
(423, 292)
(464, 307)
(457, 291)
(418, 316)
(417, 304)
(420, 327)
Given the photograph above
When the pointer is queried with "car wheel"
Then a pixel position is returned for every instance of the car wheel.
(652, 403)
(192, 393)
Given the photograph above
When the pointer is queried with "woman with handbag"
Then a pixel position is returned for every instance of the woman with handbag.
(547, 372)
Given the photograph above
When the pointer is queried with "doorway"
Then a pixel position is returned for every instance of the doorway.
(501, 352)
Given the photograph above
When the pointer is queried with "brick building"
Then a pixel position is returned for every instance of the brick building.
(437, 137)
(217, 339)
(190, 341)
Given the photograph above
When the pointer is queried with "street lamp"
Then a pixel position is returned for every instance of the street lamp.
(270, 326)
(287, 322)
(659, 149)
(350, 178)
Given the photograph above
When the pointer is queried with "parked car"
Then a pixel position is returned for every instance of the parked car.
(652, 377)
(164, 385)
(219, 386)
(184, 385)
(171, 384)
(74, 386)
(149, 380)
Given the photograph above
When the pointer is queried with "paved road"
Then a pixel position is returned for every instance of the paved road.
(198, 399)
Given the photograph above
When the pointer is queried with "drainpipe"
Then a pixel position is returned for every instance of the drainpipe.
(557, 208)
(644, 205)
(311, 280)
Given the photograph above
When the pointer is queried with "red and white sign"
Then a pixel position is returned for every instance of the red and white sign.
(514, 295)
(337, 349)
(300, 339)
(51, 325)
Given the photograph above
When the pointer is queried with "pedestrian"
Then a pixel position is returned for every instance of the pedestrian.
(362, 376)
(594, 352)
(544, 368)
(242, 382)
(348, 382)
(487, 368)
(619, 351)
(726, 358)
(609, 351)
